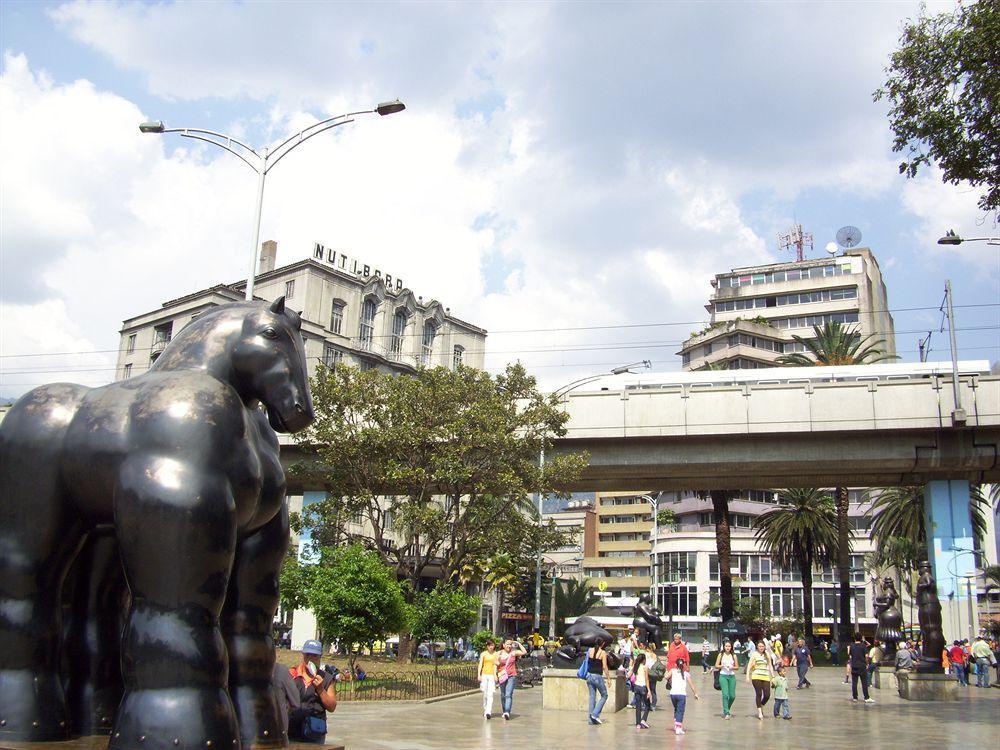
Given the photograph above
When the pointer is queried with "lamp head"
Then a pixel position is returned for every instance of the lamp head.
(151, 126)
(950, 238)
(390, 108)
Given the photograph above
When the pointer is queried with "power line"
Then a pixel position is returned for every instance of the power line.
(621, 326)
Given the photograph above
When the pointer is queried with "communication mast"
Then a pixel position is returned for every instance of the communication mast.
(798, 239)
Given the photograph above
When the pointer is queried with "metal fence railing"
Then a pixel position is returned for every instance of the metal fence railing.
(446, 680)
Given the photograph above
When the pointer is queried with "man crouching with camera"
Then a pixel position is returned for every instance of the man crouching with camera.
(317, 694)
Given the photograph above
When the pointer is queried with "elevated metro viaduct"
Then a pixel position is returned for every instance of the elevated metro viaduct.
(701, 436)
(802, 434)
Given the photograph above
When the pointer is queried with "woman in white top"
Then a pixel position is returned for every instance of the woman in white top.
(640, 686)
(680, 679)
(727, 663)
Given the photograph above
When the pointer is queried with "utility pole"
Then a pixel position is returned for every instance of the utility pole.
(958, 415)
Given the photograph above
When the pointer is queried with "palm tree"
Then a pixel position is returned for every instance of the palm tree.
(575, 598)
(723, 548)
(502, 577)
(833, 344)
(899, 512)
(800, 534)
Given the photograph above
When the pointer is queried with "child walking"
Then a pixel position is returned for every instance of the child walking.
(680, 679)
(780, 684)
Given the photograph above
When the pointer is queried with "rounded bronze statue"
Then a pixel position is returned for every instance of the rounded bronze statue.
(170, 481)
(890, 619)
(646, 618)
(581, 635)
(929, 615)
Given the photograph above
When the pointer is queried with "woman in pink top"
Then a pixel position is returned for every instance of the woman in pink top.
(507, 674)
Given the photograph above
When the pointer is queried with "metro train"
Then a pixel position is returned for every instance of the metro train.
(780, 375)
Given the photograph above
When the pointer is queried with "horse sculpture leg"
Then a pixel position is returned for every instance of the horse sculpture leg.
(98, 603)
(176, 524)
(247, 623)
(40, 534)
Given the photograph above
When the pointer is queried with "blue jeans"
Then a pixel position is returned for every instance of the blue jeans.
(983, 675)
(679, 702)
(960, 674)
(507, 694)
(781, 704)
(802, 669)
(595, 683)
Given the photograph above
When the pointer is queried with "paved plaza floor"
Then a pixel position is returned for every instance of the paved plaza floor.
(823, 717)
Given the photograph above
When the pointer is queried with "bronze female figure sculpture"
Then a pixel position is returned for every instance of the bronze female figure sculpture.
(170, 481)
(646, 618)
(929, 615)
(890, 620)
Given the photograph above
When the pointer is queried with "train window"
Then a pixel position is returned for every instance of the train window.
(897, 377)
(768, 382)
(866, 378)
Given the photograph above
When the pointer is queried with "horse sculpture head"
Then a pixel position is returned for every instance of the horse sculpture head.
(270, 362)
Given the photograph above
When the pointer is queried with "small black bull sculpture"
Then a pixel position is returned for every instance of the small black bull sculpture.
(580, 636)
(170, 482)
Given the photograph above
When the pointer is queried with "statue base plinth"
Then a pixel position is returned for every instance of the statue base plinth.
(563, 690)
(919, 686)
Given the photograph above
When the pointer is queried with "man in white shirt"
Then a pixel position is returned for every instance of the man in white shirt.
(706, 653)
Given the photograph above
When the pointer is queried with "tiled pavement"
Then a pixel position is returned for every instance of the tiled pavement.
(823, 717)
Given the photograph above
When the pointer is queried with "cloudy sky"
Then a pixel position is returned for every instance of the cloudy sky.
(580, 168)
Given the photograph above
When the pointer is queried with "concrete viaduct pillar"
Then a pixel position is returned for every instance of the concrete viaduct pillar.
(949, 544)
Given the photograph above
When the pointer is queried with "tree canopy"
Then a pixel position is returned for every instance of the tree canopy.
(355, 597)
(943, 88)
(443, 612)
(435, 467)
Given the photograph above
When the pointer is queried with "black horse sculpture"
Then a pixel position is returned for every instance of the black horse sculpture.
(169, 481)
(581, 635)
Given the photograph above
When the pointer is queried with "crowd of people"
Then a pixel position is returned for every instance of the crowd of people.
(308, 691)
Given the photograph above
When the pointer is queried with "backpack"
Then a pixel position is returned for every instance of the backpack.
(657, 670)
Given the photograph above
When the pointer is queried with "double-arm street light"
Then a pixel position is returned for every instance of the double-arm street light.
(558, 393)
(262, 160)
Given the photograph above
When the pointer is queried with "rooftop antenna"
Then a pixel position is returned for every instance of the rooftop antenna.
(798, 239)
(848, 237)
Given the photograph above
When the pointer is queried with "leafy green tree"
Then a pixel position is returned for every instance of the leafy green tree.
(992, 573)
(478, 639)
(443, 612)
(504, 572)
(293, 583)
(944, 90)
(432, 470)
(355, 597)
(753, 613)
(801, 534)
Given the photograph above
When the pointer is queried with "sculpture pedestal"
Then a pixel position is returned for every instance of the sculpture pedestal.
(917, 686)
(563, 690)
(890, 681)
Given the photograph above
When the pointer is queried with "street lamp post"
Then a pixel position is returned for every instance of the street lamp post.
(559, 392)
(654, 504)
(950, 238)
(262, 160)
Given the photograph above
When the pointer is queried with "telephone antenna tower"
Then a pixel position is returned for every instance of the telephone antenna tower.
(798, 239)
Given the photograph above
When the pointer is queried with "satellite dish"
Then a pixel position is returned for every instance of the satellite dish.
(831, 247)
(848, 236)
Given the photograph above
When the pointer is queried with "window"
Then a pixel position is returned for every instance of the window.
(427, 346)
(290, 289)
(676, 566)
(128, 370)
(678, 600)
(162, 334)
(337, 315)
(456, 359)
(130, 347)
(332, 356)
(367, 330)
(398, 329)
(365, 366)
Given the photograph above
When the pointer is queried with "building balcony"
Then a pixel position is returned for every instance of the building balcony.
(158, 346)
(369, 346)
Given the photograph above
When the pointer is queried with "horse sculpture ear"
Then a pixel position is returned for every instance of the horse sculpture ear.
(278, 306)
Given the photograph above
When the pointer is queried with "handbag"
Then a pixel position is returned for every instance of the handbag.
(582, 671)
(715, 680)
